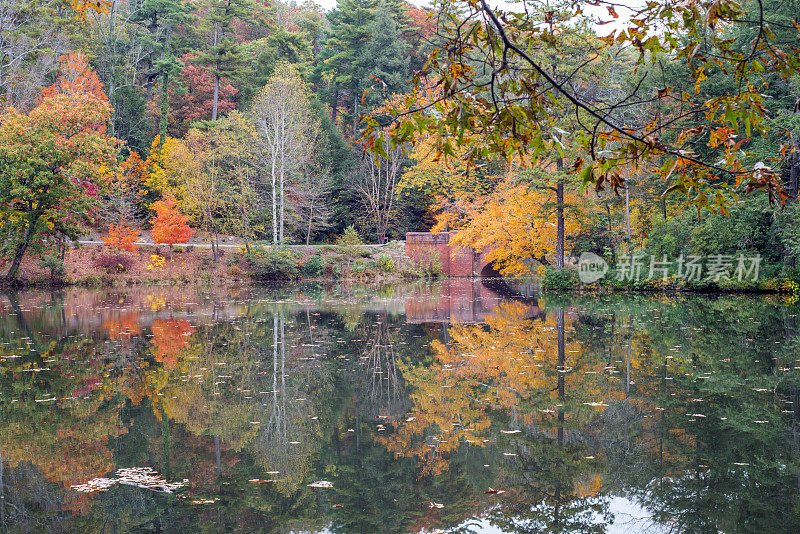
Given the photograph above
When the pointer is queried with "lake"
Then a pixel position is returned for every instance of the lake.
(452, 407)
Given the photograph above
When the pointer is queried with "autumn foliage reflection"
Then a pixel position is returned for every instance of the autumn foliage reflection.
(512, 364)
(170, 336)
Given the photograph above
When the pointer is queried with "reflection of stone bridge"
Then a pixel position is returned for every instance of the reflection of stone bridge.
(456, 260)
(460, 300)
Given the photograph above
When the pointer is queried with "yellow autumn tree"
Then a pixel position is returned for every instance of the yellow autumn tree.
(167, 176)
(515, 223)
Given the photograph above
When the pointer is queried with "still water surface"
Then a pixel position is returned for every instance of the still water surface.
(444, 408)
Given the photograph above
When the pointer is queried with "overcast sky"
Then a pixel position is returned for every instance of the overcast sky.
(600, 13)
(327, 5)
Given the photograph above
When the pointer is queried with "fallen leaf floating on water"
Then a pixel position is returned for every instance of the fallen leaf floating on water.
(260, 480)
(205, 501)
(510, 431)
(141, 477)
(338, 506)
(321, 484)
(492, 491)
(432, 504)
(596, 404)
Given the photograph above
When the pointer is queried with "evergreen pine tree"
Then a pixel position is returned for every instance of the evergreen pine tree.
(338, 63)
(382, 64)
(160, 18)
(225, 57)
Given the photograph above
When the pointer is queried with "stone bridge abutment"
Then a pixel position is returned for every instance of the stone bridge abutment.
(457, 261)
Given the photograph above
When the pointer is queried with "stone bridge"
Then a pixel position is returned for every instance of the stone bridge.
(456, 261)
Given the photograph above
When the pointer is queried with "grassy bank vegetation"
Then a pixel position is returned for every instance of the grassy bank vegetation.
(348, 259)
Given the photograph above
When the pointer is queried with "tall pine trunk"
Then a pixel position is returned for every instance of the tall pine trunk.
(794, 170)
(355, 113)
(162, 126)
(335, 105)
(216, 79)
(162, 129)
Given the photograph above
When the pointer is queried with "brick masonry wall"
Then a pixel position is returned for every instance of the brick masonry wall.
(456, 261)
(421, 245)
(462, 262)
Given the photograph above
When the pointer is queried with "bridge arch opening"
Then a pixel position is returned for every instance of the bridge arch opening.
(490, 271)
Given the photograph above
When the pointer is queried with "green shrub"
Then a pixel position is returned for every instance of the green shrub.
(56, 267)
(272, 264)
(360, 266)
(793, 274)
(91, 281)
(384, 263)
(559, 280)
(350, 243)
(206, 262)
(313, 266)
(426, 267)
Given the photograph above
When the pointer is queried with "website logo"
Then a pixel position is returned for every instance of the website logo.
(591, 267)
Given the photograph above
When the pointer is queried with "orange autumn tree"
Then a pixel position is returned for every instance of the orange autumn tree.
(515, 223)
(169, 225)
(76, 78)
(54, 161)
(81, 6)
(518, 220)
(122, 237)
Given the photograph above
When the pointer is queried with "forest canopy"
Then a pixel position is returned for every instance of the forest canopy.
(542, 129)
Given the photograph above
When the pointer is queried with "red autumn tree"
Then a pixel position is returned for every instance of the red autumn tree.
(196, 102)
(122, 237)
(169, 225)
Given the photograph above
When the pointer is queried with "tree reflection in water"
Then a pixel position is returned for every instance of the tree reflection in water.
(532, 415)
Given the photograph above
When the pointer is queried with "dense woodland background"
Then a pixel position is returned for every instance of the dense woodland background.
(251, 116)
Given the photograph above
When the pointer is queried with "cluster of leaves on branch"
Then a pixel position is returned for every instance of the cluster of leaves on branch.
(517, 83)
